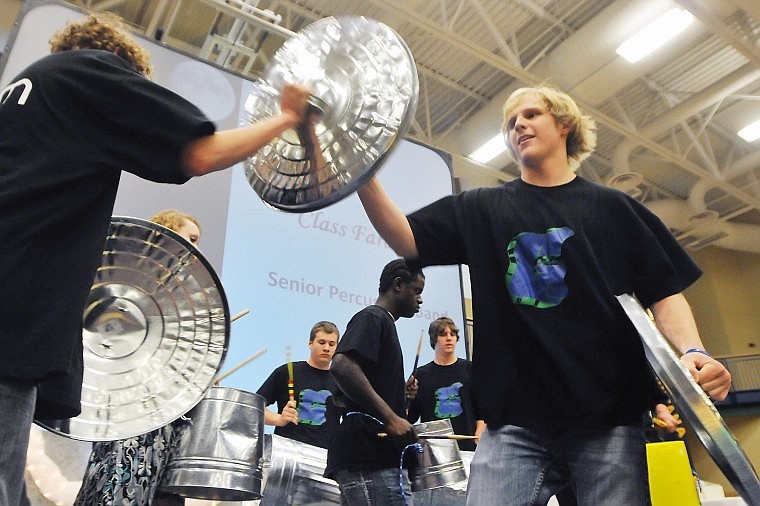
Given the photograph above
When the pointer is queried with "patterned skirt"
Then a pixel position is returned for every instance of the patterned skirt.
(128, 472)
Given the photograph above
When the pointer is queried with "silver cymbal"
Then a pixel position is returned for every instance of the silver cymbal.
(155, 334)
(694, 405)
(365, 94)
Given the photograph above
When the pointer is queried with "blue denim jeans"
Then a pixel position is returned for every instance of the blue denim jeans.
(377, 487)
(515, 466)
(17, 399)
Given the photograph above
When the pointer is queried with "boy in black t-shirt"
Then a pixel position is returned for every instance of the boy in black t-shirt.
(69, 124)
(310, 416)
(560, 372)
(369, 369)
(444, 386)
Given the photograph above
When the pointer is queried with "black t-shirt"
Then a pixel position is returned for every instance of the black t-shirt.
(313, 391)
(553, 347)
(370, 339)
(446, 392)
(69, 124)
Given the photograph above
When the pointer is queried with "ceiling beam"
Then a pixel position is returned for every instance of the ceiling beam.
(500, 42)
(702, 10)
(410, 15)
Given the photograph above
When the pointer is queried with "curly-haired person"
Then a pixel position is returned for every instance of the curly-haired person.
(130, 470)
(69, 124)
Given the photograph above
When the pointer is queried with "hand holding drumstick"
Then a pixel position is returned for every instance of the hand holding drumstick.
(289, 415)
(412, 385)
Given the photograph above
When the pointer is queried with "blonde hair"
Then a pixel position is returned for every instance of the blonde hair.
(104, 31)
(174, 219)
(581, 137)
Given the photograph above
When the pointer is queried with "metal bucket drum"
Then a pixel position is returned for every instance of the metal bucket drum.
(454, 494)
(294, 475)
(440, 463)
(219, 456)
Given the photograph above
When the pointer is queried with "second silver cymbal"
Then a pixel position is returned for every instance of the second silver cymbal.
(365, 90)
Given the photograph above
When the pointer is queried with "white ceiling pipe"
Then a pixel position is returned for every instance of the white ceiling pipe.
(678, 215)
(742, 165)
(697, 195)
(741, 237)
(714, 93)
(700, 189)
(675, 213)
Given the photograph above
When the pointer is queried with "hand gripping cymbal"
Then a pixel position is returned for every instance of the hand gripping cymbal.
(692, 402)
(365, 89)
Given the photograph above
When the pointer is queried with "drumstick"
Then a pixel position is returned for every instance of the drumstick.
(419, 347)
(291, 394)
(416, 361)
(241, 364)
(446, 436)
(239, 315)
(435, 436)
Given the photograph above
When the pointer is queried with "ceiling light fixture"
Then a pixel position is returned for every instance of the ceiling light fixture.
(489, 150)
(750, 132)
(655, 34)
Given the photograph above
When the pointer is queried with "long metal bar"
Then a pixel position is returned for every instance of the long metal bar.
(242, 14)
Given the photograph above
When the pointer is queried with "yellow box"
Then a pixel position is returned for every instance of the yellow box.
(671, 482)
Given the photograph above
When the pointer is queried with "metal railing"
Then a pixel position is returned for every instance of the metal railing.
(745, 371)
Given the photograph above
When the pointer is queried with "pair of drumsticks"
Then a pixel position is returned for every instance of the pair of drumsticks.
(244, 362)
(289, 360)
(257, 355)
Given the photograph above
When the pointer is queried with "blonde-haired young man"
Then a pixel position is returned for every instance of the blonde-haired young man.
(561, 378)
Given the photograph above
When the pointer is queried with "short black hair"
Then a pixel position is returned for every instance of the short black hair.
(397, 269)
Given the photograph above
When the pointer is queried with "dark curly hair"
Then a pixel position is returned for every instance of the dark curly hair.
(397, 269)
(104, 31)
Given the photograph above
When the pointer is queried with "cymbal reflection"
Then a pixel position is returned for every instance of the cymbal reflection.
(155, 334)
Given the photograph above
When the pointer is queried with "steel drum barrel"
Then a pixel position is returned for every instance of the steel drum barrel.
(294, 475)
(440, 463)
(219, 456)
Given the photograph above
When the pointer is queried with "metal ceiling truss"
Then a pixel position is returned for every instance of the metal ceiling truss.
(468, 51)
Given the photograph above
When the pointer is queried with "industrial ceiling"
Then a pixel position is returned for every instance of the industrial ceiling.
(666, 124)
